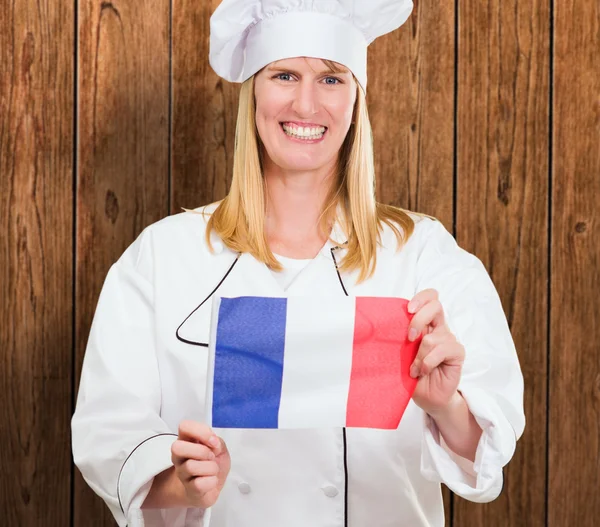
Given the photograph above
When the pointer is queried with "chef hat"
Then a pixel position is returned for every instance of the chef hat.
(246, 35)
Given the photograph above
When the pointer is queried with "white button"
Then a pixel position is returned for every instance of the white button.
(330, 491)
(244, 488)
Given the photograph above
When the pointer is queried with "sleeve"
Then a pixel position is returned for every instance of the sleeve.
(491, 381)
(119, 440)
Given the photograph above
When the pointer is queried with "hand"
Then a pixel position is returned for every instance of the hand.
(201, 462)
(439, 361)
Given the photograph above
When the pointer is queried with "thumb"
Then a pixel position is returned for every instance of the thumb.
(221, 448)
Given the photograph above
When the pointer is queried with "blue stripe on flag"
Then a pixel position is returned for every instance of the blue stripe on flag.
(249, 362)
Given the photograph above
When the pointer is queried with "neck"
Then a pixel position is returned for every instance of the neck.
(294, 204)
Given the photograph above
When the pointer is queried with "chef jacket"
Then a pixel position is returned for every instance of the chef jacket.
(139, 381)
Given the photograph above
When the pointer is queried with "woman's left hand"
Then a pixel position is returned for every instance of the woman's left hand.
(439, 361)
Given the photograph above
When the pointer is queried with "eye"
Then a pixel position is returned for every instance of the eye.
(283, 76)
(334, 79)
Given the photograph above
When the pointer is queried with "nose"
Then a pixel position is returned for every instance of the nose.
(306, 100)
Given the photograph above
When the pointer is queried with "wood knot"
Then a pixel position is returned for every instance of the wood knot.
(110, 7)
(504, 182)
(28, 54)
(580, 227)
(25, 495)
(111, 206)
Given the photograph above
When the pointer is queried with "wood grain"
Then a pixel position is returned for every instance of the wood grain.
(574, 471)
(36, 271)
(410, 95)
(204, 112)
(502, 192)
(123, 155)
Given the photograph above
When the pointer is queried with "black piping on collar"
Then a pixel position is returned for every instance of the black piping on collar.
(203, 344)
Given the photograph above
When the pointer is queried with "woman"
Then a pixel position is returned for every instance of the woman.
(300, 219)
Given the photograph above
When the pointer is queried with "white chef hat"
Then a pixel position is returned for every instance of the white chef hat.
(246, 35)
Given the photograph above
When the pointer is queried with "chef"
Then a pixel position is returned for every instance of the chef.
(300, 218)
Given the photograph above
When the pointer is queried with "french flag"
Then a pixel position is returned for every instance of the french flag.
(307, 362)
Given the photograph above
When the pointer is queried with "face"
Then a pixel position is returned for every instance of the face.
(303, 112)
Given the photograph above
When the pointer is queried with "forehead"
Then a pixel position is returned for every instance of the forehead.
(308, 64)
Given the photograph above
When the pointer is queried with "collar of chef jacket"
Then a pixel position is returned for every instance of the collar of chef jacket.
(337, 234)
(243, 275)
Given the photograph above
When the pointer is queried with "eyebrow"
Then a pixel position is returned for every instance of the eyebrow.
(293, 72)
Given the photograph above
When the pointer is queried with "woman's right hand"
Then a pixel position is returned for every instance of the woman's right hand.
(201, 462)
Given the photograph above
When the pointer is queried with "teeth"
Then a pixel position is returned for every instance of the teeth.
(305, 132)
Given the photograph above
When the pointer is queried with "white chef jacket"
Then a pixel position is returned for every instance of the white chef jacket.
(139, 381)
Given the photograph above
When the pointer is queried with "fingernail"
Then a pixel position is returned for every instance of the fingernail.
(214, 441)
(211, 455)
(413, 306)
(412, 334)
(414, 371)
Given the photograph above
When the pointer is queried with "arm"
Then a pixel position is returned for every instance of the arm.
(167, 491)
(488, 376)
(119, 440)
(458, 427)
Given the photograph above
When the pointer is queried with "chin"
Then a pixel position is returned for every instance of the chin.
(301, 166)
(305, 163)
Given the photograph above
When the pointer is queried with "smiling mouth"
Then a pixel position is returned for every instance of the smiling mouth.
(313, 133)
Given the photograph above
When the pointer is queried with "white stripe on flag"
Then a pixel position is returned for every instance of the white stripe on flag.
(317, 362)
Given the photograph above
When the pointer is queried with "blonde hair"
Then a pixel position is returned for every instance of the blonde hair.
(239, 218)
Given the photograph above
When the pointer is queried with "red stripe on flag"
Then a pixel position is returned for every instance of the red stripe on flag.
(380, 384)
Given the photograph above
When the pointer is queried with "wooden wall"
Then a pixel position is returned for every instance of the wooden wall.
(485, 114)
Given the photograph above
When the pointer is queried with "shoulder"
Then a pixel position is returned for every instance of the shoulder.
(432, 245)
(188, 226)
(182, 233)
(443, 264)
(183, 223)
(423, 230)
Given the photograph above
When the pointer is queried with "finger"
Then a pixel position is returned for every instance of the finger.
(205, 484)
(192, 468)
(198, 432)
(182, 450)
(431, 314)
(428, 342)
(440, 355)
(221, 449)
(421, 298)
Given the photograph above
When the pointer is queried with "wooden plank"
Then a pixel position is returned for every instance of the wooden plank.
(574, 470)
(123, 155)
(503, 141)
(410, 94)
(36, 277)
(204, 112)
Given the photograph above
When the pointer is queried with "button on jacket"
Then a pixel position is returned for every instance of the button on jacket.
(139, 381)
